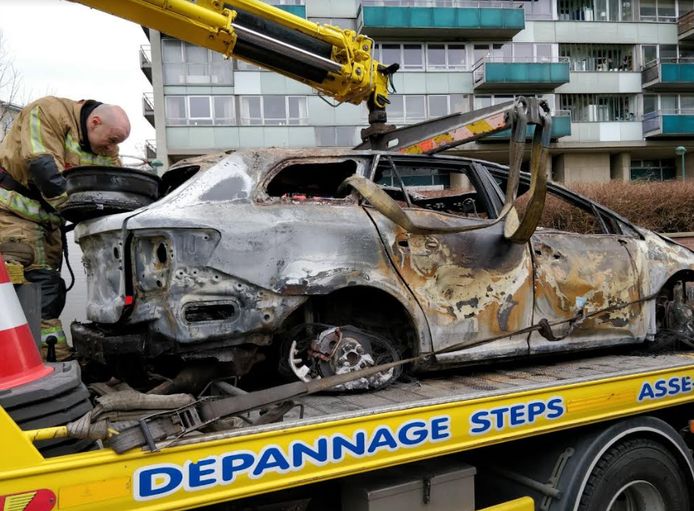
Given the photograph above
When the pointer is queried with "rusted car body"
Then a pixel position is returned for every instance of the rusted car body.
(257, 246)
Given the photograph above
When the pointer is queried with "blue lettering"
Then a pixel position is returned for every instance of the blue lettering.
(157, 481)
(660, 388)
(235, 463)
(271, 459)
(413, 433)
(197, 473)
(382, 438)
(300, 450)
(517, 415)
(535, 409)
(499, 414)
(439, 428)
(646, 392)
(480, 422)
(555, 408)
(666, 387)
(674, 384)
(357, 448)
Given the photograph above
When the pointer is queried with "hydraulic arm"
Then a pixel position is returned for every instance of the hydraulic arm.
(337, 62)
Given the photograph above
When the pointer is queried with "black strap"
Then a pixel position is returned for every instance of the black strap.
(9, 183)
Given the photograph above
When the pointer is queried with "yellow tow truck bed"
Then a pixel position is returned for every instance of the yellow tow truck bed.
(350, 434)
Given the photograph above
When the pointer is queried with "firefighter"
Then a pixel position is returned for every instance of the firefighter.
(50, 135)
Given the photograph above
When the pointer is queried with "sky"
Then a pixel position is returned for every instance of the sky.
(65, 49)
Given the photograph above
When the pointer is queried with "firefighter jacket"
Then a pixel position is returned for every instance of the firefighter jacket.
(49, 127)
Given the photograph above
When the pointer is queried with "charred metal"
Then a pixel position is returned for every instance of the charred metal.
(252, 251)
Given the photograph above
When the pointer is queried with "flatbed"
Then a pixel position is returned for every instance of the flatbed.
(342, 435)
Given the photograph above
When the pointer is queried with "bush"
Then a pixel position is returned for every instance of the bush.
(659, 206)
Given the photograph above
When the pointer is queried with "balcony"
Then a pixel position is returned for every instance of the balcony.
(148, 107)
(146, 61)
(503, 74)
(685, 27)
(561, 127)
(440, 19)
(150, 149)
(668, 123)
(668, 75)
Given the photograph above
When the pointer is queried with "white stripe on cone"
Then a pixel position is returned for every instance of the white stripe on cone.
(11, 313)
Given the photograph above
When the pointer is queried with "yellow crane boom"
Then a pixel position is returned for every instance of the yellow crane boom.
(337, 62)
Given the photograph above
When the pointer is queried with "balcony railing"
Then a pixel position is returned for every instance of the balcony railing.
(150, 149)
(518, 73)
(148, 107)
(441, 3)
(669, 123)
(146, 61)
(685, 26)
(668, 74)
(561, 127)
(441, 19)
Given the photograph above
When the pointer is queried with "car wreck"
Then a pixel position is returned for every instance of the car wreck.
(283, 255)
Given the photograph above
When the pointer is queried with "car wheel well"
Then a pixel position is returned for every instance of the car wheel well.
(368, 308)
(675, 310)
(680, 276)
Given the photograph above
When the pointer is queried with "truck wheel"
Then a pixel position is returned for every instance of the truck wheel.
(636, 475)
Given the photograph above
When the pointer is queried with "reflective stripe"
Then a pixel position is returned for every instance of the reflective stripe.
(12, 314)
(26, 208)
(87, 158)
(39, 247)
(35, 132)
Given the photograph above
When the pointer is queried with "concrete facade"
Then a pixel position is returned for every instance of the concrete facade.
(607, 101)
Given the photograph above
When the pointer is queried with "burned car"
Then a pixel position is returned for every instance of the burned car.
(268, 254)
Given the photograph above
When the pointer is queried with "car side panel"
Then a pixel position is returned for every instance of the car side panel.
(575, 272)
(472, 286)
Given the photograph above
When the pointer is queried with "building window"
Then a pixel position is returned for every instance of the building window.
(446, 57)
(652, 170)
(409, 56)
(596, 10)
(668, 104)
(599, 107)
(273, 110)
(413, 108)
(200, 110)
(187, 64)
(663, 52)
(337, 136)
(417, 57)
(536, 9)
(657, 10)
(598, 57)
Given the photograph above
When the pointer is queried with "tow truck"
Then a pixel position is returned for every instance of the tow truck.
(588, 432)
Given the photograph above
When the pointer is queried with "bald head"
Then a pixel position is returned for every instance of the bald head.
(107, 126)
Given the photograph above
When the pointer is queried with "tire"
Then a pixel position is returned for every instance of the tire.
(636, 475)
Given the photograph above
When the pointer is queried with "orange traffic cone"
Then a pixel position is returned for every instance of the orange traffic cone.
(20, 361)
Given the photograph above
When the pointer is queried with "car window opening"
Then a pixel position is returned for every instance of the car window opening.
(176, 177)
(437, 188)
(305, 181)
(562, 214)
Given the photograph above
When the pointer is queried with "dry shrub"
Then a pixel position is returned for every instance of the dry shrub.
(660, 206)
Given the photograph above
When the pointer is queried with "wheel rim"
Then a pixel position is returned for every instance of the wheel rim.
(637, 496)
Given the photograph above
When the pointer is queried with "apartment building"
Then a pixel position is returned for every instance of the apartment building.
(618, 75)
(8, 113)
